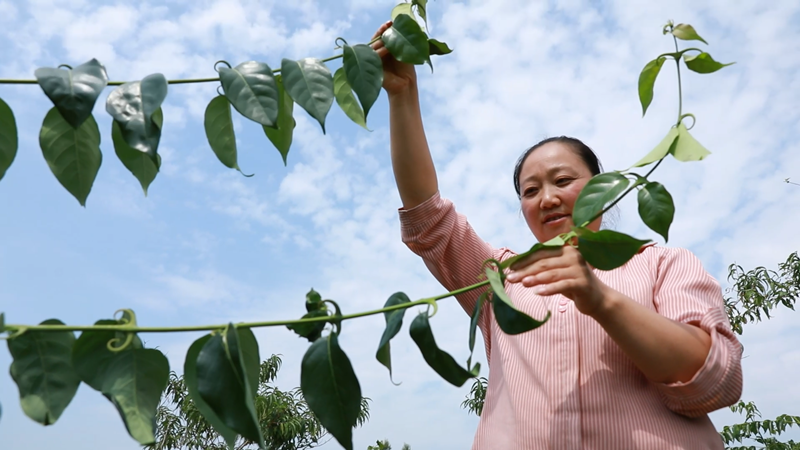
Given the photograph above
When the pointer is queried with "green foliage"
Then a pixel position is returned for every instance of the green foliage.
(331, 388)
(75, 91)
(133, 105)
(73, 155)
(607, 249)
(364, 71)
(686, 32)
(394, 321)
(43, 372)
(597, 192)
(252, 90)
(477, 396)
(346, 100)
(309, 82)
(384, 445)
(656, 208)
(439, 360)
(703, 63)
(509, 319)
(406, 41)
(218, 124)
(762, 432)
(664, 148)
(8, 138)
(138, 163)
(647, 79)
(281, 137)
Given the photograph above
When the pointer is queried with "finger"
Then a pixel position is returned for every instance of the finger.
(539, 266)
(382, 28)
(548, 277)
(536, 256)
(558, 287)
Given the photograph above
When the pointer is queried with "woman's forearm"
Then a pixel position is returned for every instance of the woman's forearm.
(666, 351)
(411, 159)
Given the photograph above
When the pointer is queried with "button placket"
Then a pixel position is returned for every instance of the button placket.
(562, 305)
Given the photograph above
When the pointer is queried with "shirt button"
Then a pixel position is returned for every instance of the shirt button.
(562, 308)
(563, 302)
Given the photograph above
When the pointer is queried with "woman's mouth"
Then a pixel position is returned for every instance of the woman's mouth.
(556, 219)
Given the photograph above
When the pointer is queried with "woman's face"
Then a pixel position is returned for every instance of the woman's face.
(550, 180)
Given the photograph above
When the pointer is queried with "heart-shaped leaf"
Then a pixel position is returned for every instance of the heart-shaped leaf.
(656, 208)
(132, 105)
(438, 48)
(139, 164)
(252, 90)
(686, 147)
(686, 32)
(73, 155)
(281, 137)
(607, 249)
(42, 369)
(402, 8)
(331, 388)
(665, 147)
(440, 361)
(647, 79)
(509, 319)
(190, 379)
(133, 379)
(8, 138)
(345, 98)
(394, 321)
(309, 82)
(702, 63)
(218, 124)
(406, 41)
(74, 92)
(222, 382)
(364, 70)
(594, 196)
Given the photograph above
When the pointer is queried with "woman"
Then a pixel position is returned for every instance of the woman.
(632, 358)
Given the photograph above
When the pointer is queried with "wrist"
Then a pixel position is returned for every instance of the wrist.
(607, 304)
(405, 94)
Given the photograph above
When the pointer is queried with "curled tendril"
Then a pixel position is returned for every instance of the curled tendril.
(218, 92)
(336, 317)
(128, 317)
(14, 334)
(222, 61)
(694, 120)
(668, 27)
(65, 65)
(337, 44)
(115, 346)
(434, 304)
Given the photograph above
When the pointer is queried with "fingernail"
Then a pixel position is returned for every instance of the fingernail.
(539, 289)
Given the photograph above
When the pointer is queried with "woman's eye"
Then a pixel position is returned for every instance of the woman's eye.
(563, 181)
(530, 191)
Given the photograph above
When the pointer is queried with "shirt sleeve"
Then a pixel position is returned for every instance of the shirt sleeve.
(686, 293)
(451, 249)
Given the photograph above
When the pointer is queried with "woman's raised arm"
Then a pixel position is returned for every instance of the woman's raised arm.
(413, 167)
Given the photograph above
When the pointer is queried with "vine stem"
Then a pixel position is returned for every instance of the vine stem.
(136, 329)
(181, 81)
(680, 91)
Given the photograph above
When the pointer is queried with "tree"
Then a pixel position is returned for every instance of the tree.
(286, 421)
(750, 299)
(384, 445)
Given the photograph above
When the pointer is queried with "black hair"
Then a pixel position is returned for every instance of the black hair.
(583, 150)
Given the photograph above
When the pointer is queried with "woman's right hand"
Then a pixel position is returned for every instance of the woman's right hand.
(398, 77)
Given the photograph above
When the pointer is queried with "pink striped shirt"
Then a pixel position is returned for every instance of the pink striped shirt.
(567, 385)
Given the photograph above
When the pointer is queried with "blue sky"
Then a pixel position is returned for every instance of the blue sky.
(210, 246)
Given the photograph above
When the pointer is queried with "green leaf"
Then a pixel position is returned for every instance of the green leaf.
(686, 147)
(346, 100)
(702, 63)
(139, 164)
(311, 331)
(438, 48)
(133, 379)
(222, 383)
(132, 105)
(42, 369)
(439, 360)
(314, 301)
(509, 319)
(607, 249)
(555, 242)
(74, 92)
(8, 138)
(686, 32)
(647, 79)
(364, 70)
(2, 322)
(218, 124)
(406, 41)
(594, 196)
(190, 379)
(473, 324)
(73, 155)
(422, 9)
(394, 321)
(281, 137)
(656, 208)
(309, 82)
(661, 150)
(252, 90)
(331, 388)
(402, 8)
(248, 349)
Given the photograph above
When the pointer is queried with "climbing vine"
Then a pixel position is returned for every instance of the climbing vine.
(221, 368)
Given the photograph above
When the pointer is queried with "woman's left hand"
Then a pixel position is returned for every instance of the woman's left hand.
(561, 271)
